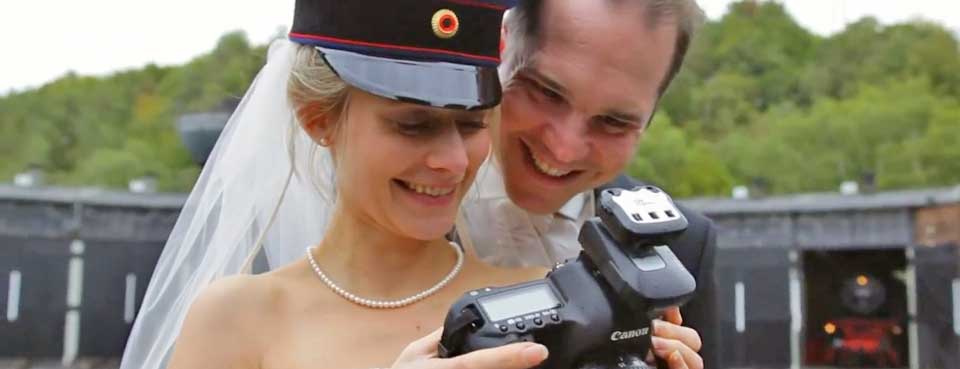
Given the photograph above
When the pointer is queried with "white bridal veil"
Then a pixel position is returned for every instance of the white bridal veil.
(266, 184)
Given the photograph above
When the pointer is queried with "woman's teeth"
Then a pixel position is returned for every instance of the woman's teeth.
(429, 191)
(545, 168)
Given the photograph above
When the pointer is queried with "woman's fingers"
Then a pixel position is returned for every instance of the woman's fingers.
(423, 348)
(514, 356)
(688, 336)
(422, 354)
(664, 348)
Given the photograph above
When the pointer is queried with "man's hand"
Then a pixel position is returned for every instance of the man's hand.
(676, 344)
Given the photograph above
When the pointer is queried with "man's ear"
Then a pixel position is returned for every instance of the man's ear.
(318, 122)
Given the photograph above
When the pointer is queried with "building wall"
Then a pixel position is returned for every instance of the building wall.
(886, 228)
(753, 249)
(113, 250)
(939, 225)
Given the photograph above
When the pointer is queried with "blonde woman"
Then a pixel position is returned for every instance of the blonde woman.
(379, 108)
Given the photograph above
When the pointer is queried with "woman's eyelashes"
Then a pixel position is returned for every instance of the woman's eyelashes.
(429, 128)
(415, 128)
(470, 126)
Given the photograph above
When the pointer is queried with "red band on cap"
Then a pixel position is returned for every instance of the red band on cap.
(395, 47)
(477, 4)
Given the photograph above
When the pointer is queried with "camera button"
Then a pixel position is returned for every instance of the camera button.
(555, 317)
(504, 328)
(520, 325)
(537, 321)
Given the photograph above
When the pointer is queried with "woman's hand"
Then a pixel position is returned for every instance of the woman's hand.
(676, 344)
(422, 354)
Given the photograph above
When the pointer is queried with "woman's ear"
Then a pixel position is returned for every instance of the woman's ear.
(319, 123)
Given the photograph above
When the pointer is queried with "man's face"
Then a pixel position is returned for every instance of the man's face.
(572, 116)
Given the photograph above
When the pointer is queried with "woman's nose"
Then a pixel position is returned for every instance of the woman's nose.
(449, 154)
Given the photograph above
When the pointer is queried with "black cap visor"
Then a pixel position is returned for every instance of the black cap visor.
(439, 84)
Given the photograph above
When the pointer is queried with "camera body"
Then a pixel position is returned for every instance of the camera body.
(594, 311)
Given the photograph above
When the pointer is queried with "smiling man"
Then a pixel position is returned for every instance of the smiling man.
(582, 79)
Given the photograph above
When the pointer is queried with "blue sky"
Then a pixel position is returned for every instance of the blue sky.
(43, 40)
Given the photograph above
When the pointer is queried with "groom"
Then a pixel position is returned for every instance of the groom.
(582, 79)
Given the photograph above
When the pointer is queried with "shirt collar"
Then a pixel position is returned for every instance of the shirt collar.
(573, 209)
(489, 181)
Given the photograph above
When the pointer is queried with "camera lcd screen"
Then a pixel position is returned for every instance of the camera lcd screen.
(519, 301)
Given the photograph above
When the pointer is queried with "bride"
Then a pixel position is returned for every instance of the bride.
(388, 127)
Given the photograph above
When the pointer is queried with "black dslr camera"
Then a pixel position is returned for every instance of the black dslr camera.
(594, 311)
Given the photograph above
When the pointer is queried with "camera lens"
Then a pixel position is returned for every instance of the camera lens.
(622, 361)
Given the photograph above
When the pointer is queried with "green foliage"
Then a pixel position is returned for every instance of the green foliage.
(668, 157)
(760, 100)
(105, 131)
(764, 101)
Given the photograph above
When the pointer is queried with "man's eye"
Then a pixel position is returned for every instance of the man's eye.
(614, 125)
(548, 93)
(541, 90)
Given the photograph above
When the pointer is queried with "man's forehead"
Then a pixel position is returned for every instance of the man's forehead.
(614, 43)
(590, 20)
(607, 93)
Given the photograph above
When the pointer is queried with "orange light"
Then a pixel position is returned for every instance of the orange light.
(830, 328)
(862, 280)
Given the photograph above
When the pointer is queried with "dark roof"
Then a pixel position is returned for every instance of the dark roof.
(92, 196)
(799, 203)
(822, 202)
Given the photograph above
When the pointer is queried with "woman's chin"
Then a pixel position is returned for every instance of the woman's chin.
(428, 231)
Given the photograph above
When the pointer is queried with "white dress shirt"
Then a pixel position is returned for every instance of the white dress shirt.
(504, 234)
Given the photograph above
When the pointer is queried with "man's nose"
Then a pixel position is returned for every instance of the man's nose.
(566, 138)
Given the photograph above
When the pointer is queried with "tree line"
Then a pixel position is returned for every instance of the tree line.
(761, 101)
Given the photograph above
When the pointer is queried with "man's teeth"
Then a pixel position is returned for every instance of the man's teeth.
(545, 168)
(430, 191)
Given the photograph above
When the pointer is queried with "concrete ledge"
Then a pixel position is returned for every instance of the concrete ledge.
(87, 363)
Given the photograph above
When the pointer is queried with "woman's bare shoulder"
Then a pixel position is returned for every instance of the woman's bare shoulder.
(228, 322)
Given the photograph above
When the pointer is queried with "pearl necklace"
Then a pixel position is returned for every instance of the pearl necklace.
(388, 304)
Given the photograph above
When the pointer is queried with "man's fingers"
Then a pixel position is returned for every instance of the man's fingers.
(688, 336)
(676, 361)
(673, 315)
(514, 356)
(664, 347)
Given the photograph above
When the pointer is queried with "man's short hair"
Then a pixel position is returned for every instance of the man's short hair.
(524, 21)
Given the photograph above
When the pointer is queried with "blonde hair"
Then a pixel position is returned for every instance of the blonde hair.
(314, 90)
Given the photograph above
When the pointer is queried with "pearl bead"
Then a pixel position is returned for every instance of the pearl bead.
(388, 304)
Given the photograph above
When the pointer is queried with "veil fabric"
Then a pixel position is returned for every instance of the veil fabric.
(265, 184)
